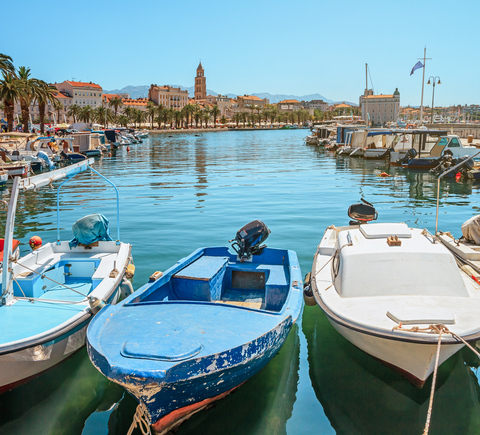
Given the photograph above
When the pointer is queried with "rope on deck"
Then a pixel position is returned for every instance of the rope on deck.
(435, 329)
(141, 419)
(47, 277)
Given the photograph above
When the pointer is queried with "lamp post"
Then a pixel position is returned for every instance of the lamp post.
(433, 93)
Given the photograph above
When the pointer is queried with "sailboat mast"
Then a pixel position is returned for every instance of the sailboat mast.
(423, 83)
(366, 94)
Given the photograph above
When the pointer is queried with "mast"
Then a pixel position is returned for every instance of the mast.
(423, 83)
(366, 94)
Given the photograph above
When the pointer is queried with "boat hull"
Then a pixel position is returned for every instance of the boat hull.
(200, 381)
(17, 368)
(414, 361)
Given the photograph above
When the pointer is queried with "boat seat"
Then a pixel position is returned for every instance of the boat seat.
(201, 280)
(421, 316)
(62, 293)
(242, 298)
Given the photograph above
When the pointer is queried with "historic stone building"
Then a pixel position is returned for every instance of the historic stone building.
(200, 84)
(379, 109)
(168, 96)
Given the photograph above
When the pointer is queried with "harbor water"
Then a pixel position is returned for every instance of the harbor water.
(183, 191)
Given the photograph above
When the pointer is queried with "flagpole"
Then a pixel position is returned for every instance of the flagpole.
(423, 84)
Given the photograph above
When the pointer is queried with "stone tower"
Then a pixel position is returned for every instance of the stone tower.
(200, 84)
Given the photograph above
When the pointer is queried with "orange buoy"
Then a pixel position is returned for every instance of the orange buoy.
(35, 242)
(384, 174)
(128, 149)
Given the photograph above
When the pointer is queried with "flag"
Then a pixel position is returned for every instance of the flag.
(417, 66)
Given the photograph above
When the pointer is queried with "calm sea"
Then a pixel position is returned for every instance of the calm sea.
(184, 191)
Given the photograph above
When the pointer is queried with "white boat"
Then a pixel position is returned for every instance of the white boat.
(394, 292)
(51, 294)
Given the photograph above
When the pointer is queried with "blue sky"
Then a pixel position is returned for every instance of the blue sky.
(280, 47)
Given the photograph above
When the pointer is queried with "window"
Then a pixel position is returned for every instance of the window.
(454, 143)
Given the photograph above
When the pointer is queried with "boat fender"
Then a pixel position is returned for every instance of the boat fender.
(96, 304)
(35, 243)
(126, 288)
(307, 292)
(154, 276)
(130, 272)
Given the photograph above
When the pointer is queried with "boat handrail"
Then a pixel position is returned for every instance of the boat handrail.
(438, 184)
(58, 204)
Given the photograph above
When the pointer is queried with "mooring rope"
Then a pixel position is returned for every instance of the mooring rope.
(435, 329)
(141, 419)
(51, 279)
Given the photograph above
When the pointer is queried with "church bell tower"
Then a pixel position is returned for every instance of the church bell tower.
(200, 84)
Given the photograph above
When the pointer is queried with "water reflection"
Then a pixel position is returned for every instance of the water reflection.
(362, 396)
(58, 402)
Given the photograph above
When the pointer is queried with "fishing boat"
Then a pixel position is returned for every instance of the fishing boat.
(197, 332)
(50, 295)
(395, 292)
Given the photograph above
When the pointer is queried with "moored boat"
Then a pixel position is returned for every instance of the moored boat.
(206, 326)
(51, 294)
(395, 292)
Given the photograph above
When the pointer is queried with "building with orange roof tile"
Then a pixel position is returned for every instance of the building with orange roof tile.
(82, 93)
(137, 103)
(380, 109)
(168, 96)
(289, 105)
(251, 100)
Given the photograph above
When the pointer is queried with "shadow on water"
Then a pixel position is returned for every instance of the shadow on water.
(262, 405)
(59, 401)
(362, 396)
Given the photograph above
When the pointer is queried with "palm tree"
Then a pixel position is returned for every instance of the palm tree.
(138, 115)
(45, 94)
(86, 114)
(6, 64)
(123, 120)
(189, 111)
(116, 102)
(215, 112)
(161, 115)
(30, 86)
(198, 116)
(58, 106)
(151, 112)
(206, 115)
(244, 116)
(99, 115)
(128, 112)
(237, 117)
(223, 120)
(11, 90)
(74, 111)
(179, 116)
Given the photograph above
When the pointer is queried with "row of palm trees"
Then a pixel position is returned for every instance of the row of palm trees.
(189, 115)
(19, 86)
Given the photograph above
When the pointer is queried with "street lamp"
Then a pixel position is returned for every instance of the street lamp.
(433, 93)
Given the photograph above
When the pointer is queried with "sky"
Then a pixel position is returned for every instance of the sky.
(252, 46)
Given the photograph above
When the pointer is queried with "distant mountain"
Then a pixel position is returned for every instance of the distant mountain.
(142, 92)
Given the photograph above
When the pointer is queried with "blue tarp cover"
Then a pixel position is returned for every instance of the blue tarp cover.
(90, 229)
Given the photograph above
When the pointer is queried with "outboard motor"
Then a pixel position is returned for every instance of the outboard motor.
(362, 213)
(248, 239)
(411, 154)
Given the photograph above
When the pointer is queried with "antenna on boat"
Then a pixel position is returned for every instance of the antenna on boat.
(438, 185)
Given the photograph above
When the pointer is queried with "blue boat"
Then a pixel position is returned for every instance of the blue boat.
(195, 333)
(50, 295)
